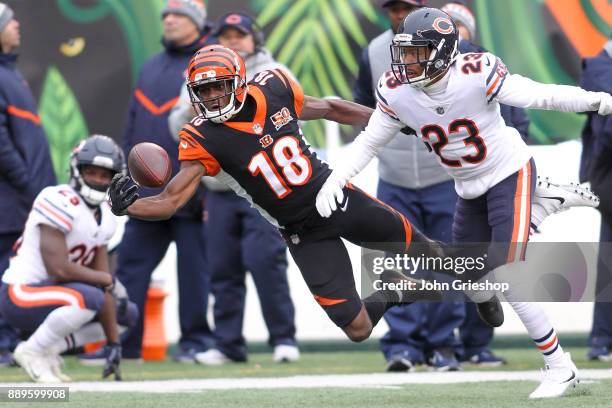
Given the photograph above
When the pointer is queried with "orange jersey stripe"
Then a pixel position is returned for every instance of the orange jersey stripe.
(298, 96)
(193, 130)
(190, 150)
(56, 215)
(492, 87)
(280, 76)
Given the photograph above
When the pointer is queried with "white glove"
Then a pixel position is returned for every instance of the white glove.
(329, 196)
(605, 105)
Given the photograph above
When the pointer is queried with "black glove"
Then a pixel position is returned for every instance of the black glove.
(113, 359)
(120, 197)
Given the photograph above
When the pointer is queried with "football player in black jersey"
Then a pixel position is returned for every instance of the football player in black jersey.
(247, 135)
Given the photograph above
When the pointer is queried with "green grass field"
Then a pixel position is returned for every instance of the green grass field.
(483, 394)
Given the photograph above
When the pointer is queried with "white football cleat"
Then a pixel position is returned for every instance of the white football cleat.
(551, 198)
(56, 362)
(284, 353)
(212, 357)
(35, 364)
(557, 380)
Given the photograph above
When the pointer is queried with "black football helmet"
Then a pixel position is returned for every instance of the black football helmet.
(427, 28)
(99, 151)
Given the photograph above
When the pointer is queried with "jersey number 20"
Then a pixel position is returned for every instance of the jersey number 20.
(295, 166)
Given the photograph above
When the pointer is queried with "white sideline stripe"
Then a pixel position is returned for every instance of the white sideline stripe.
(315, 381)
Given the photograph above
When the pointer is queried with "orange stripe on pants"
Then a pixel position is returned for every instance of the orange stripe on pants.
(405, 222)
(522, 214)
(48, 301)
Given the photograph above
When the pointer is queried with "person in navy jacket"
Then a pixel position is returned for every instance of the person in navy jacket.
(25, 162)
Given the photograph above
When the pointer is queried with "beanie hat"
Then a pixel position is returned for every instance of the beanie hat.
(6, 15)
(194, 9)
(416, 3)
(461, 15)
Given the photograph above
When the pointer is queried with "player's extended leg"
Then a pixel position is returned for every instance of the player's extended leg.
(551, 197)
(471, 225)
(326, 268)
(37, 309)
(509, 204)
(370, 223)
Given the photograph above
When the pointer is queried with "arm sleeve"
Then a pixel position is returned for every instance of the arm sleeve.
(379, 131)
(12, 166)
(523, 92)
(191, 149)
(362, 91)
(56, 208)
(181, 113)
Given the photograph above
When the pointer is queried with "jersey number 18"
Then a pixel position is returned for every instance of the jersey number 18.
(295, 166)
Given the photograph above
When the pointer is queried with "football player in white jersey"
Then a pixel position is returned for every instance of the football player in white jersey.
(451, 101)
(58, 286)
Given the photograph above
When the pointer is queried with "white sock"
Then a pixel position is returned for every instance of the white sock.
(90, 333)
(58, 324)
(541, 331)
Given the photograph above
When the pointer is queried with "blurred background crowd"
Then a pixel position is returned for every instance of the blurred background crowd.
(99, 67)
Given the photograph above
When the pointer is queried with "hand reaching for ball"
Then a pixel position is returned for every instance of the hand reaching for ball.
(121, 197)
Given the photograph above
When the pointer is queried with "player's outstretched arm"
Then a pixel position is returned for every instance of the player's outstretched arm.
(162, 206)
(55, 255)
(526, 93)
(337, 110)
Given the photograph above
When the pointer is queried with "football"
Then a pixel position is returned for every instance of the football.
(149, 165)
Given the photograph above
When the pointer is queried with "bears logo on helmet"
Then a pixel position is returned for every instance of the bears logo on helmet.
(429, 30)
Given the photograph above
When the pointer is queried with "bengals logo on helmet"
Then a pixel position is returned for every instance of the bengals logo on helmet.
(443, 25)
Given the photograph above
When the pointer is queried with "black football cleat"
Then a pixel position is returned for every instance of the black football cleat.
(491, 312)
